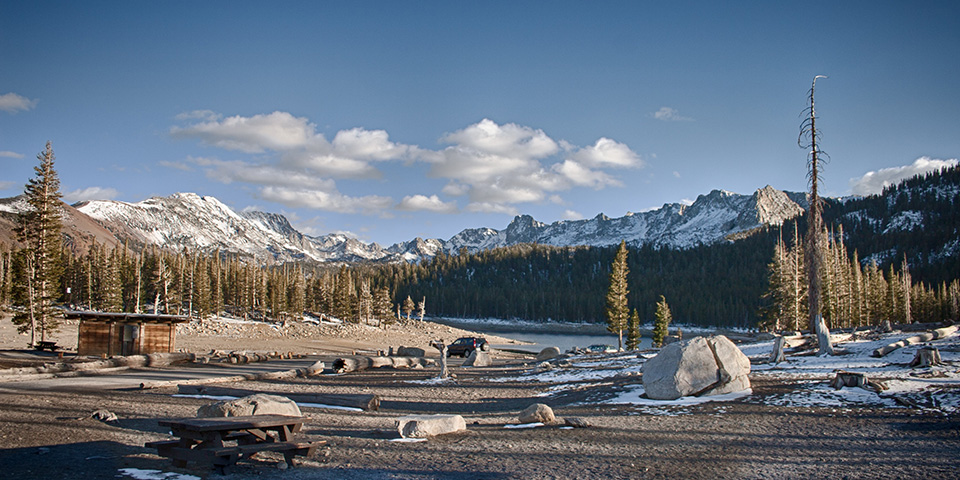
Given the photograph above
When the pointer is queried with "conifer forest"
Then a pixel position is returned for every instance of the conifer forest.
(871, 275)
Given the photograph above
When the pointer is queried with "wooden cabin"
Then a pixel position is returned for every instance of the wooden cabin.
(103, 333)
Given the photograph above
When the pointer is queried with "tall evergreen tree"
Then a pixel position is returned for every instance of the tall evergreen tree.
(39, 231)
(661, 322)
(617, 310)
(633, 331)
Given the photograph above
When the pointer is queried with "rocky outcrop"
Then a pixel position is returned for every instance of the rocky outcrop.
(699, 366)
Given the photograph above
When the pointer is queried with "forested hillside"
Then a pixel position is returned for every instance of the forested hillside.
(725, 284)
(706, 285)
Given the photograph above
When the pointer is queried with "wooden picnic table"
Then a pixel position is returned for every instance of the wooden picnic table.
(222, 441)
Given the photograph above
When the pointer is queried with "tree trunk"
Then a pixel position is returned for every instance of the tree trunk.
(923, 337)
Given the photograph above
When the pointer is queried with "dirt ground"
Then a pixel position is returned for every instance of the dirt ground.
(51, 436)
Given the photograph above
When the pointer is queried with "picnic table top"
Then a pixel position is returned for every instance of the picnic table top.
(232, 423)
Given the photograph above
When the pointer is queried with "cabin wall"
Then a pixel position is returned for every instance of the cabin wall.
(112, 338)
(94, 338)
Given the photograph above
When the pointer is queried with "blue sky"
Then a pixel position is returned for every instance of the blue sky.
(392, 120)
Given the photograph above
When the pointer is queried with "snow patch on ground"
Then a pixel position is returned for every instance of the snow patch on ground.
(141, 474)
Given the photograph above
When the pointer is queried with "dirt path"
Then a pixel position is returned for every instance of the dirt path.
(50, 435)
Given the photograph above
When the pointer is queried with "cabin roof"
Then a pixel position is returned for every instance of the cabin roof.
(120, 317)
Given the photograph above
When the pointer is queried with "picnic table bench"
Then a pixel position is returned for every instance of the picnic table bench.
(45, 345)
(222, 441)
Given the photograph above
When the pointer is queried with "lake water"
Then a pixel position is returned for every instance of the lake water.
(562, 336)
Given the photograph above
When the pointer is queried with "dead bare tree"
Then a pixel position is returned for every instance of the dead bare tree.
(809, 139)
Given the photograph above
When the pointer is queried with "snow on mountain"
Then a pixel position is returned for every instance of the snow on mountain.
(187, 220)
(710, 219)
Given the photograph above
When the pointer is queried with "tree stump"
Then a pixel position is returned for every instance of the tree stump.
(776, 356)
(926, 357)
(856, 379)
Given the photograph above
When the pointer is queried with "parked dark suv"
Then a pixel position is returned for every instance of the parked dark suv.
(464, 346)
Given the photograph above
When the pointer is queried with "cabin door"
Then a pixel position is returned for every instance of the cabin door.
(131, 340)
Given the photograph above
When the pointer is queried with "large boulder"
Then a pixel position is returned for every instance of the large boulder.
(258, 404)
(698, 366)
(537, 412)
(423, 426)
(478, 358)
(548, 354)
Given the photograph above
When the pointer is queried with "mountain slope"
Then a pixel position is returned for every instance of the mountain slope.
(187, 220)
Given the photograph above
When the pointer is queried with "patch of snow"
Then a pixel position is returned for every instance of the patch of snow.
(408, 440)
(524, 425)
(141, 474)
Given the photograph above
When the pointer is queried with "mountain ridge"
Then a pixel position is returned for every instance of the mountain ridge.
(193, 221)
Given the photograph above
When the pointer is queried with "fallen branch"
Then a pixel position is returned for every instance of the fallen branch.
(923, 337)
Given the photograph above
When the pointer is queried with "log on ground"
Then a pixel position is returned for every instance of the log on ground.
(358, 363)
(923, 337)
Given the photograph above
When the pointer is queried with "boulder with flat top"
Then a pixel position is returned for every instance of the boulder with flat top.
(258, 404)
(698, 366)
(423, 426)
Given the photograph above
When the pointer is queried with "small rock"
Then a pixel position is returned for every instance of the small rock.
(104, 415)
(422, 426)
(575, 422)
(548, 353)
(537, 412)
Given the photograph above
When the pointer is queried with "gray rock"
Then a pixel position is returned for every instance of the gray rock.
(548, 353)
(575, 422)
(104, 415)
(537, 412)
(259, 404)
(478, 358)
(698, 366)
(422, 426)
(411, 352)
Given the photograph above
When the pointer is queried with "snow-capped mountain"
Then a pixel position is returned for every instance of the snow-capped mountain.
(710, 219)
(187, 220)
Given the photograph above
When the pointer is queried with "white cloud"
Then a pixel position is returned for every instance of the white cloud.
(583, 176)
(207, 115)
(12, 103)
(501, 165)
(607, 153)
(256, 134)
(332, 201)
(485, 207)
(572, 215)
(4, 185)
(668, 114)
(9, 154)
(874, 182)
(509, 140)
(175, 165)
(676, 174)
(90, 193)
(495, 166)
(423, 202)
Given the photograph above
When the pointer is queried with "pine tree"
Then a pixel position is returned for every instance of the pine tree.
(661, 322)
(617, 310)
(408, 307)
(633, 331)
(39, 231)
